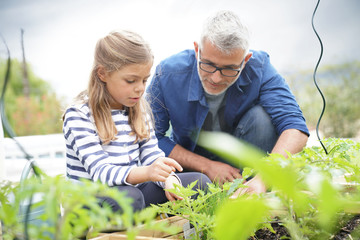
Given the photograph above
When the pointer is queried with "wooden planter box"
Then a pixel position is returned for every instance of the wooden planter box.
(183, 224)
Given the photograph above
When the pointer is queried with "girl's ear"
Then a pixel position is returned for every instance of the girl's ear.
(101, 72)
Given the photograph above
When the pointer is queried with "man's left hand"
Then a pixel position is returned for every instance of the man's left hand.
(255, 185)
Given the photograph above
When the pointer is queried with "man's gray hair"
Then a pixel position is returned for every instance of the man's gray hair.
(225, 30)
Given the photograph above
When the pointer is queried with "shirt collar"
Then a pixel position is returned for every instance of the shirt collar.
(243, 80)
(196, 91)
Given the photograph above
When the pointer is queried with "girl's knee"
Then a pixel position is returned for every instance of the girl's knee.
(138, 198)
(136, 195)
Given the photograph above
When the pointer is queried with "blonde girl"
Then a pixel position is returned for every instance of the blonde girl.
(109, 130)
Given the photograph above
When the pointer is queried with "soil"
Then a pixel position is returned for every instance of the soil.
(282, 233)
(348, 228)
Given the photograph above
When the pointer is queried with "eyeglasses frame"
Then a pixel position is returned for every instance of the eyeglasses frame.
(219, 68)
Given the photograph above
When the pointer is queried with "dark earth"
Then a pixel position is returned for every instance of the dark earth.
(281, 232)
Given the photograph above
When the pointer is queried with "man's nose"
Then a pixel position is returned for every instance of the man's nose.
(216, 76)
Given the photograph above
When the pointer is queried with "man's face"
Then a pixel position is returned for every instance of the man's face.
(216, 83)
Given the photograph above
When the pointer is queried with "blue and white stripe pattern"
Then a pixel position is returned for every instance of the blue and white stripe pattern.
(87, 157)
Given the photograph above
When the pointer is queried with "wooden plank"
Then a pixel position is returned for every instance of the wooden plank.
(150, 234)
(123, 236)
(101, 237)
(173, 221)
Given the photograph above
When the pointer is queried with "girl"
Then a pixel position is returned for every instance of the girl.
(109, 130)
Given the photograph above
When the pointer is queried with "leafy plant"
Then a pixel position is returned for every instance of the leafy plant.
(65, 210)
(200, 207)
(197, 206)
(309, 202)
(312, 194)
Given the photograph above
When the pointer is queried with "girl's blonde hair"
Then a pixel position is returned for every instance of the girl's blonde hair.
(113, 52)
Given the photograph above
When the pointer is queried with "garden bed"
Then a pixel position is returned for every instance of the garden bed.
(184, 231)
(314, 195)
(263, 234)
(281, 232)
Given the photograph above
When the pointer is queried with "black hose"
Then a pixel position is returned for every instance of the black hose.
(8, 129)
(314, 77)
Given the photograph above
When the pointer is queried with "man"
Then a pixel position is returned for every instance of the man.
(222, 86)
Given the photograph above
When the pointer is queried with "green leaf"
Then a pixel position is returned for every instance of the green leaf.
(330, 204)
(234, 150)
(237, 220)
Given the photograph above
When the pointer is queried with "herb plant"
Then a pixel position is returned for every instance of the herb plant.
(65, 210)
(306, 195)
(200, 211)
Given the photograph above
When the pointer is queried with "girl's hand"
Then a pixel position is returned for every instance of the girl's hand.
(169, 184)
(161, 169)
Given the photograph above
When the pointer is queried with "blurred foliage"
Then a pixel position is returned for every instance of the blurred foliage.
(36, 115)
(340, 85)
(56, 208)
(312, 193)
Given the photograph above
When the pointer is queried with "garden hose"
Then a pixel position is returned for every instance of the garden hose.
(8, 129)
(314, 77)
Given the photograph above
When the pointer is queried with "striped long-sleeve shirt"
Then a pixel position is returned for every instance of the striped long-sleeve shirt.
(88, 158)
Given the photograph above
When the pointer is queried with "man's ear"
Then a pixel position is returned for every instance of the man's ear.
(248, 56)
(196, 48)
(101, 72)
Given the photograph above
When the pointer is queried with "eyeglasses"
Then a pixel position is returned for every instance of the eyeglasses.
(227, 72)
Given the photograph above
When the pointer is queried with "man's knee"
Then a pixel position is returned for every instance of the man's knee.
(256, 128)
(202, 182)
(190, 177)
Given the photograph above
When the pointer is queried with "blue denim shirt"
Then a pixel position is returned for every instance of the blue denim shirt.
(176, 96)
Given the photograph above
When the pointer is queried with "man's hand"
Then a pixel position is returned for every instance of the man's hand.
(255, 185)
(169, 184)
(221, 172)
(216, 171)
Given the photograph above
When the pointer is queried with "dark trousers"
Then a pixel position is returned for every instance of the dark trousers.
(255, 127)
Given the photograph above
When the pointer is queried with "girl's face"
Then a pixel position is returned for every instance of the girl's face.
(127, 85)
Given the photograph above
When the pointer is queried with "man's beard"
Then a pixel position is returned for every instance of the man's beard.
(213, 94)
